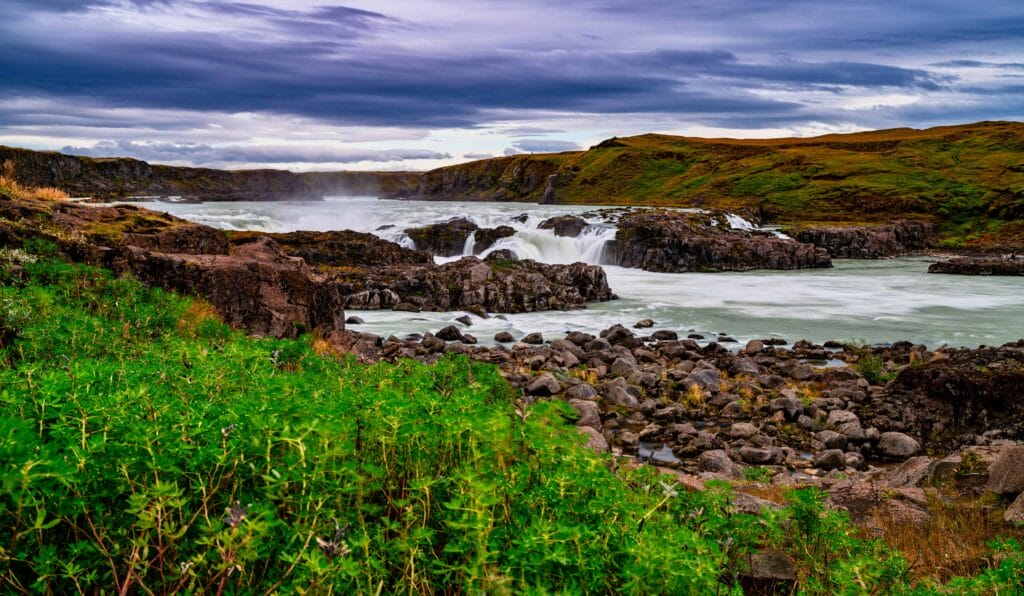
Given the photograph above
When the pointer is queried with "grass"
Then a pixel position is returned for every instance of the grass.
(145, 447)
(961, 177)
(11, 189)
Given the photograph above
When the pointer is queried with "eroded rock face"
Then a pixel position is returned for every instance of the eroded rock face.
(675, 242)
(980, 266)
(871, 242)
(504, 287)
(257, 287)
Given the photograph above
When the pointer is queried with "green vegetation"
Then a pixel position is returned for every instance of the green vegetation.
(966, 178)
(146, 447)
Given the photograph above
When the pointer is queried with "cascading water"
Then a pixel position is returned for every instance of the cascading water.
(871, 300)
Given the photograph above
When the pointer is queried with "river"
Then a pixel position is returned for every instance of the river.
(872, 301)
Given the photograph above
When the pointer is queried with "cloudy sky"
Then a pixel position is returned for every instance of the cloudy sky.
(415, 84)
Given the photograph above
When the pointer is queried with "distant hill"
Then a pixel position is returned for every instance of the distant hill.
(119, 177)
(968, 178)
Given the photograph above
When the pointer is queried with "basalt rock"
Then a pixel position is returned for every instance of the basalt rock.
(446, 239)
(564, 225)
(449, 238)
(954, 397)
(1012, 265)
(505, 287)
(256, 287)
(339, 249)
(676, 242)
(871, 242)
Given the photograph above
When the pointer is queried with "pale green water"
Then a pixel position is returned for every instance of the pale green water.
(876, 301)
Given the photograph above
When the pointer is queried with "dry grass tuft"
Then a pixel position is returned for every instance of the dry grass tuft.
(9, 186)
(953, 542)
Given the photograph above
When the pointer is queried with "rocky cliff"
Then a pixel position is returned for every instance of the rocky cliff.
(115, 178)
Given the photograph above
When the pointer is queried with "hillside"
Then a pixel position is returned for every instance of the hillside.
(122, 177)
(969, 178)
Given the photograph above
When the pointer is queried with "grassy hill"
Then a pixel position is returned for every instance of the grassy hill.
(970, 178)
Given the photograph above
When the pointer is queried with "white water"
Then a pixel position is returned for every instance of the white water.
(876, 301)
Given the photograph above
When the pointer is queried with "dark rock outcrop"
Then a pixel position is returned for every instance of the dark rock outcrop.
(564, 225)
(871, 242)
(257, 286)
(955, 397)
(338, 249)
(980, 266)
(507, 287)
(448, 239)
(676, 242)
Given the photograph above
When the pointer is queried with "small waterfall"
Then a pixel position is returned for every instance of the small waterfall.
(545, 247)
(467, 249)
(738, 223)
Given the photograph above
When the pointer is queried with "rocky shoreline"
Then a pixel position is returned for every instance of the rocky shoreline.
(871, 425)
(853, 419)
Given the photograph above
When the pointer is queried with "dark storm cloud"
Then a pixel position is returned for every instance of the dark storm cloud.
(318, 64)
(203, 154)
(545, 146)
(481, 65)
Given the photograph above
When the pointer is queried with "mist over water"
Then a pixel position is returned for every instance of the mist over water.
(875, 301)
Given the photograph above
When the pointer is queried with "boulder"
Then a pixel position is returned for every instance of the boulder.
(544, 385)
(564, 225)
(898, 445)
(1006, 474)
(449, 333)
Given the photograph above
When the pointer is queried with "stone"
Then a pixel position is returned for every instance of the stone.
(590, 414)
(791, 406)
(504, 337)
(898, 445)
(353, 320)
(533, 339)
(754, 346)
(706, 378)
(449, 333)
(769, 571)
(644, 324)
(831, 439)
(465, 320)
(623, 367)
(582, 391)
(595, 440)
(717, 461)
(620, 397)
(544, 385)
(830, 459)
(742, 430)
(564, 225)
(664, 335)
(1006, 474)
(757, 456)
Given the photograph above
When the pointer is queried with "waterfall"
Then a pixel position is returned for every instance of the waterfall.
(467, 249)
(545, 247)
(738, 223)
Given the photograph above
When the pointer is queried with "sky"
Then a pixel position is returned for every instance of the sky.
(418, 84)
